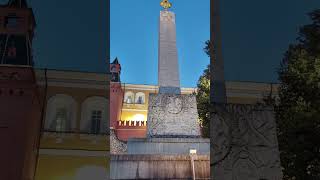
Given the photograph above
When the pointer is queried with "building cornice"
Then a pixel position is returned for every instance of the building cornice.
(73, 79)
(73, 152)
(90, 80)
(154, 88)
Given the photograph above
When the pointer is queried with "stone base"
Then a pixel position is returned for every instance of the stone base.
(168, 146)
(244, 143)
(116, 146)
(159, 167)
(169, 90)
(173, 115)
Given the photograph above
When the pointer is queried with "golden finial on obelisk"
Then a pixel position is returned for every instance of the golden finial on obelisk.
(165, 4)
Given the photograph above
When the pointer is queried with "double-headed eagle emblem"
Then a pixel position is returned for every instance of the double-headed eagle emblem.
(165, 4)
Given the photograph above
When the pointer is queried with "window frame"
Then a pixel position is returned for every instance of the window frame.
(143, 98)
(95, 120)
(126, 97)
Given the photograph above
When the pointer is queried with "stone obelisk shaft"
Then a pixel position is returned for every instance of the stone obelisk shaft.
(168, 69)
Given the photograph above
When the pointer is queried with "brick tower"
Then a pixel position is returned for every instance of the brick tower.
(20, 107)
(116, 93)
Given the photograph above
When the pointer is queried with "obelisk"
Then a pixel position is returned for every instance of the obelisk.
(170, 114)
(173, 132)
(168, 69)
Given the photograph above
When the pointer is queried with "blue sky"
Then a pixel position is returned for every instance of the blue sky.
(134, 38)
(256, 34)
(72, 35)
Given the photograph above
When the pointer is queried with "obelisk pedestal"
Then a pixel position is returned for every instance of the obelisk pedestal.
(173, 127)
(173, 115)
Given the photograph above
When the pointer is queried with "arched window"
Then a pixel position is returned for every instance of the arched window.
(94, 115)
(61, 113)
(140, 98)
(129, 97)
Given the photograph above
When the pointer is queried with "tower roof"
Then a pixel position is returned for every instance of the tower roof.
(18, 3)
(115, 61)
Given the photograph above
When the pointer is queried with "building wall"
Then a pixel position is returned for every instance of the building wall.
(20, 111)
(249, 92)
(116, 99)
(78, 87)
(67, 153)
(133, 120)
(237, 92)
(71, 167)
(78, 149)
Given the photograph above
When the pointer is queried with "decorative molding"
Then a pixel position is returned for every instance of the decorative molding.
(75, 85)
(71, 152)
(152, 88)
(92, 136)
(74, 79)
(138, 110)
(59, 135)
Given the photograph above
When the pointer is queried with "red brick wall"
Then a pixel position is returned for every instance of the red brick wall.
(20, 120)
(126, 131)
(116, 98)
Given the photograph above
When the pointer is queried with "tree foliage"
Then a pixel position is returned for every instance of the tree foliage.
(203, 101)
(203, 97)
(298, 106)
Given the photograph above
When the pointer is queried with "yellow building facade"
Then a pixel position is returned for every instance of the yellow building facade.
(75, 135)
(136, 100)
(74, 138)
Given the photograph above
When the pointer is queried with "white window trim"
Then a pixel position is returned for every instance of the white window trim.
(137, 95)
(88, 105)
(61, 101)
(127, 94)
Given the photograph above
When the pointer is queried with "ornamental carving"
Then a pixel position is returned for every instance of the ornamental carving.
(244, 143)
(172, 115)
(174, 105)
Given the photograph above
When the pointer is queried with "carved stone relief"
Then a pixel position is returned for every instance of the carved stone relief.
(172, 115)
(244, 143)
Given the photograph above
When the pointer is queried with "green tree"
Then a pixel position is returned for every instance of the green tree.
(203, 98)
(298, 106)
(203, 101)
